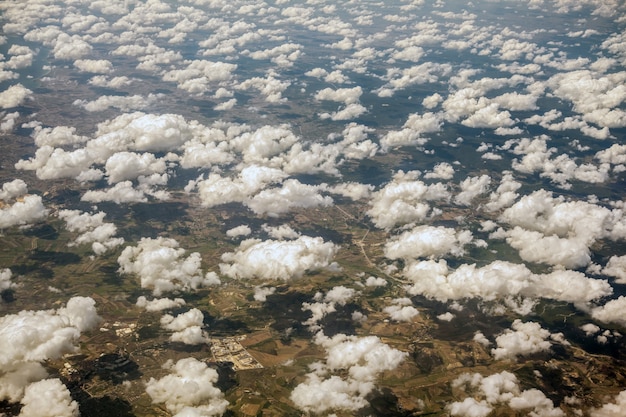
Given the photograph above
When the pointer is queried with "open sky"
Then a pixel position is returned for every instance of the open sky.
(483, 141)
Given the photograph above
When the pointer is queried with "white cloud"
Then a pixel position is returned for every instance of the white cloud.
(95, 66)
(401, 310)
(120, 193)
(161, 266)
(292, 194)
(48, 398)
(30, 337)
(92, 230)
(274, 259)
(188, 390)
(496, 390)
(499, 280)
(404, 200)
(616, 267)
(186, 327)
(363, 359)
(13, 189)
(611, 312)
(524, 339)
(261, 292)
(616, 408)
(159, 304)
(427, 241)
(14, 96)
(28, 209)
(342, 95)
(472, 187)
(242, 230)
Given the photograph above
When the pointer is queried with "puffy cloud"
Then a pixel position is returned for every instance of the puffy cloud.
(472, 187)
(261, 292)
(29, 337)
(122, 166)
(496, 390)
(121, 193)
(5, 280)
(373, 281)
(161, 266)
(401, 310)
(413, 131)
(616, 408)
(187, 327)
(200, 75)
(188, 390)
(124, 103)
(14, 96)
(95, 66)
(524, 339)
(48, 398)
(270, 87)
(28, 209)
(558, 225)
(68, 47)
(57, 136)
(611, 312)
(616, 267)
(293, 193)
(427, 241)
(159, 304)
(92, 230)
(281, 232)
(363, 359)
(404, 200)
(499, 280)
(243, 230)
(274, 259)
(342, 95)
(13, 189)
(352, 190)
(442, 170)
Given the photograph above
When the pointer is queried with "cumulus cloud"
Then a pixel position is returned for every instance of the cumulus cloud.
(472, 187)
(499, 280)
(275, 259)
(404, 200)
(30, 337)
(427, 241)
(292, 194)
(558, 232)
(161, 266)
(14, 96)
(13, 189)
(92, 229)
(362, 359)
(188, 390)
(413, 131)
(615, 408)
(611, 312)
(159, 304)
(187, 327)
(496, 390)
(522, 339)
(48, 398)
(401, 310)
(95, 66)
(26, 210)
